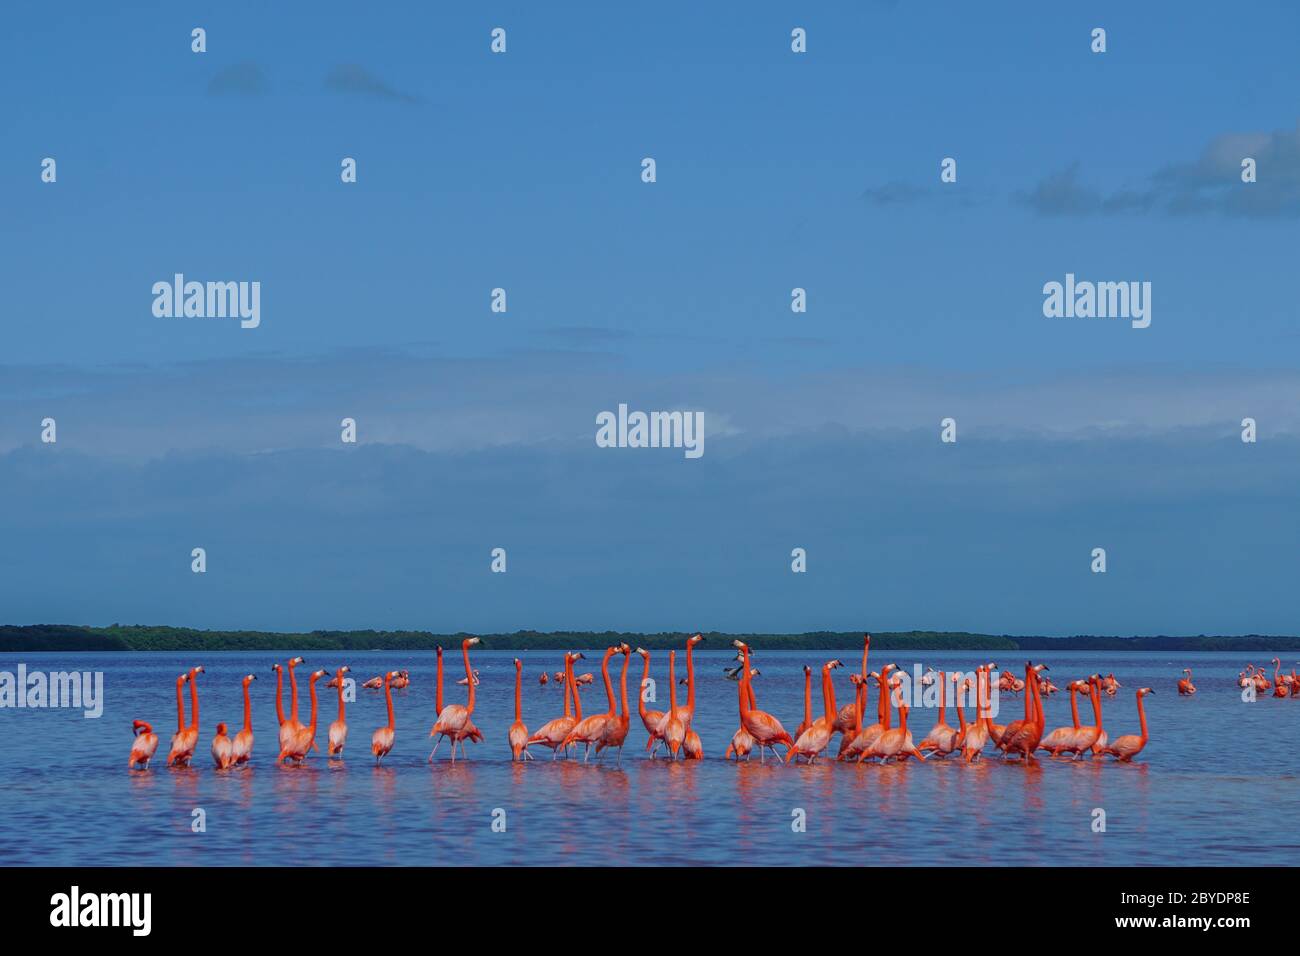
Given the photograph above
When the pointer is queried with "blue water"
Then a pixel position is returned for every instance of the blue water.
(1215, 784)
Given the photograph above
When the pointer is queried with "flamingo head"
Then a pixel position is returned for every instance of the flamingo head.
(739, 645)
(831, 665)
(1143, 691)
(275, 668)
(296, 661)
(468, 643)
(519, 665)
(644, 653)
(195, 671)
(344, 670)
(248, 679)
(317, 675)
(139, 727)
(221, 730)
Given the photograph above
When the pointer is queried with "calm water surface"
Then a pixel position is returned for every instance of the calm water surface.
(1216, 784)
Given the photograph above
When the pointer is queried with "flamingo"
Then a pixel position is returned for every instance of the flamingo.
(942, 738)
(288, 725)
(960, 685)
(818, 733)
(338, 732)
(1062, 738)
(854, 727)
(617, 728)
(377, 682)
(1031, 710)
(1109, 684)
(653, 719)
(673, 729)
(552, 733)
(977, 732)
(402, 680)
(466, 730)
(741, 741)
(187, 739)
(844, 720)
(453, 718)
(1027, 736)
(1185, 686)
(867, 736)
(242, 746)
(465, 680)
(591, 729)
(381, 742)
(222, 749)
(1130, 745)
(518, 733)
(896, 742)
(762, 726)
(1279, 683)
(542, 678)
(687, 712)
(303, 739)
(143, 745)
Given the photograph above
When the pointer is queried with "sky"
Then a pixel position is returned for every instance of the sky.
(774, 170)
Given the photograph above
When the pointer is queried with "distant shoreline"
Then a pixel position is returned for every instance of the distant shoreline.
(68, 637)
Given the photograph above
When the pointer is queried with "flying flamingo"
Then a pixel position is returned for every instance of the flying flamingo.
(1130, 745)
(591, 729)
(818, 733)
(183, 743)
(338, 732)
(942, 738)
(242, 746)
(1062, 739)
(762, 726)
(552, 733)
(1109, 684)
(222, 750)
(303, 738)
(382, 740)
(518, 734)
(617, 728)
(143, 746)
(1185, 686)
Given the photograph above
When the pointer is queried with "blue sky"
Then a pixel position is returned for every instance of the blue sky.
(775, 170)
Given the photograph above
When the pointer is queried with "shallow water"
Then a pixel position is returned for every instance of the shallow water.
(1215, 785)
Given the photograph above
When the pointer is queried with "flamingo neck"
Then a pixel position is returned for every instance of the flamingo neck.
(293, 694)
(807, 696)
(248, 709)
(609, 685)
(627, 659)
(180, 704)
(194, 703)
(672, 684)
(342, 709)
(640, 697)
(956, 703)
(388, 698)
(828, 695)
(437, 699)
(312, 691)
(1074, 705)
(469, 677)
(943, 700)
(690, 677)
(568, 686)
(279, 692)
(1142, 719)
(519, 693)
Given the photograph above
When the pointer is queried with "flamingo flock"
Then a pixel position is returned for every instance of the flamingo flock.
(889, 738)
